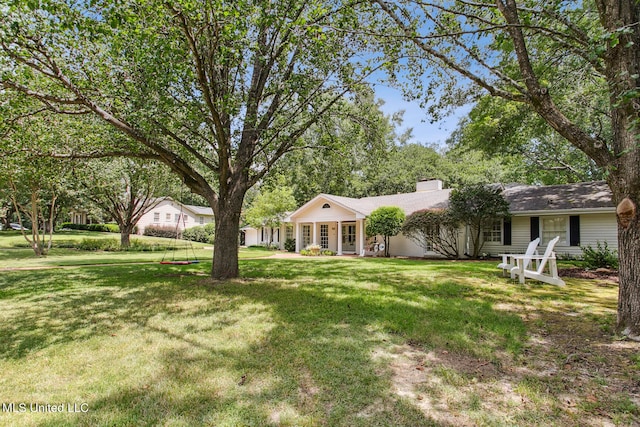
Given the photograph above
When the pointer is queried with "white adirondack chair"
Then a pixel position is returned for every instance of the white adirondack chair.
(509, 263)
(549, 258)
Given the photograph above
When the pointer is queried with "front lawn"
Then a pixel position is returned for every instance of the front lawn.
(16, 253)
(330, 341)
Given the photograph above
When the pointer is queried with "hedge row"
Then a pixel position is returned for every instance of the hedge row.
(167, 231)
(105, 228)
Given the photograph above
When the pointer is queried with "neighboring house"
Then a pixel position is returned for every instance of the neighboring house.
(581, 214)
(171, 213)
(79, 216)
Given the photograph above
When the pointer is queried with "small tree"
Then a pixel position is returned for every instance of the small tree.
(385, 221)
(126, 189)
(435, 230)
(477, 206)
(269, 208)
(33, 185)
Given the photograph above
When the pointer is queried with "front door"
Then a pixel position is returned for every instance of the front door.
(348, 237)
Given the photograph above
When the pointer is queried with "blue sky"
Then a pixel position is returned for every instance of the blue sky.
(424, 132)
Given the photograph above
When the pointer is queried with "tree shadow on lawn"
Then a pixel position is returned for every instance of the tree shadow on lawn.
(570, 327)
(315, 365)
(311, 362)
(42, 308)
(294, 342)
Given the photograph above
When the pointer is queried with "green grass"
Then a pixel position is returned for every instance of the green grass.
(16, 253)
(293, 342)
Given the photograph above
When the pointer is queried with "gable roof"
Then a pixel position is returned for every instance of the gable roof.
(200, 210)
(582, 195)
(408, 202)
(197, 210)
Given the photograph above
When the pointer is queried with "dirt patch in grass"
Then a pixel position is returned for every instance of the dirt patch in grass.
(573, 371)
(580, 273)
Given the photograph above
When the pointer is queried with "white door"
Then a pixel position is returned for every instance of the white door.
(348, 237)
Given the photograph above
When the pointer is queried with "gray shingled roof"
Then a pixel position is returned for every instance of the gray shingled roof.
(409, 202)
(583, 195)
(200, 210)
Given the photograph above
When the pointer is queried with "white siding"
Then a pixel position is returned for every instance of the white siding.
(251, 236)
(401, 246)
(520, 238)
(167, 210)
(594, 227)
(316, 213)
(599, 227)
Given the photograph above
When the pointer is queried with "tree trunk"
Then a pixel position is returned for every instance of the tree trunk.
(629, 272)
(125, 233)
(622, 62)
(225, 246)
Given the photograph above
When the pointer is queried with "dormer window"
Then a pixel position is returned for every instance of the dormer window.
(326, 206)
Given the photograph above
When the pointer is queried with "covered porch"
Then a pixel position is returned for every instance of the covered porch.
(342, 237)
(326, 222)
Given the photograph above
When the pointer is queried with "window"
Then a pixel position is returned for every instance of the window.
(177, 217)
(167, 217)
(201, 220)
(493, 233)
(156, 217)
(324, 236)
(326, 206)
(289, 232)
(433, 230)
(306, 235)
(554, 226)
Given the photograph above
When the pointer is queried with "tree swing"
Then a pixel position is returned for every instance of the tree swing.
(173, 249)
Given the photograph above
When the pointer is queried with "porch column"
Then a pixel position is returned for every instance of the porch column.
(339, 237)
(315, 237)
(297, 237)
(361, 248)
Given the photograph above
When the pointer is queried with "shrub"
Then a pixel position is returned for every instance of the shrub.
(314, 249)
(103, 228)
(72, 226)
(290, 245)
(161, 231)
(99, 245)
(327, 252)
(601, 257)
(200, 233)
(139, 246)
(434, 230)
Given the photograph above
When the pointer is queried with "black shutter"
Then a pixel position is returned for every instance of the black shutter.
(506, 232)
(574, 230)
(535, 227)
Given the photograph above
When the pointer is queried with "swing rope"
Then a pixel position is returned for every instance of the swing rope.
(173, 248)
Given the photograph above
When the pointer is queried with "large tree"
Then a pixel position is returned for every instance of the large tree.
(531, 150)
(511, 50)
(218, 90)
